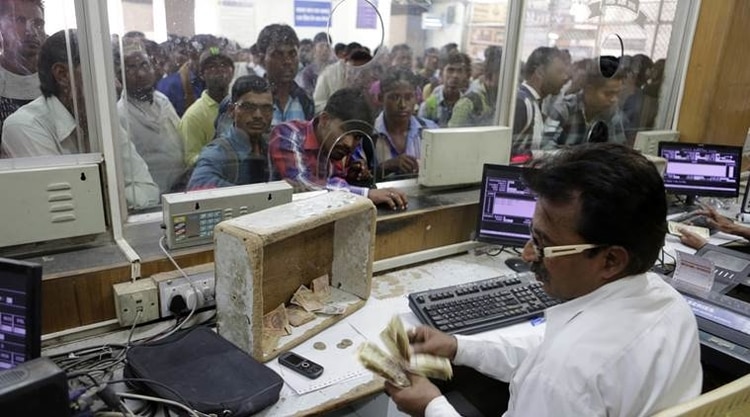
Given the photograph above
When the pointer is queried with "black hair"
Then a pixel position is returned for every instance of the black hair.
(351, 47)
(55, 50)
(134, 34)
(621, 195)
(351, 106)
(394, 76)
(5, 5)
(400, 47)
(249, 83)
(431, 50)
(540, 57)
(339, 47)
(275, 35)
(603, 65)
(493, 56)
(457, 58)
(306, 41)
(359, 55)
(321, 37)
(641, 64)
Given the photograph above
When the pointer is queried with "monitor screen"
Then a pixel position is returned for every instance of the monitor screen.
(506, 206)
(20, 312)
(701, 170)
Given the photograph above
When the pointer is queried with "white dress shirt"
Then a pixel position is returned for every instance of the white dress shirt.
(153, 130)
(330, 80)
(45, 127)
(629, 348)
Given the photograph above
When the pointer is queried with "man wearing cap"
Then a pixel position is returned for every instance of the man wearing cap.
(149, 118)
(239, 154)
(185, 85)
(197, 124)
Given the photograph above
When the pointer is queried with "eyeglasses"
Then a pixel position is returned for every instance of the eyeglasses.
(252, 107)
(556, 251)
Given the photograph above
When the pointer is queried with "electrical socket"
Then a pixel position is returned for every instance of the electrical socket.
(170, 287)
(134, 296)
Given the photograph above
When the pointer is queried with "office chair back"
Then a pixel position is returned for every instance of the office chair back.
(730, 400)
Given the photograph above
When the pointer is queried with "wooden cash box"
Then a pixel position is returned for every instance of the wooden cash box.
(262, 258)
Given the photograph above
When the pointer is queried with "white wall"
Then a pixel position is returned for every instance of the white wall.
(453, 32)
(243, 20)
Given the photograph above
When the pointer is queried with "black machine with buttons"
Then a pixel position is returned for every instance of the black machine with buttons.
(723, 313)
(482, 305)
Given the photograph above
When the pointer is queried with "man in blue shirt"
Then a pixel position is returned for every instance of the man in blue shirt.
(186, 85)
(239, 155)
(279, 45)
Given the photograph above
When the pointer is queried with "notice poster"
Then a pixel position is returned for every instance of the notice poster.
(367, 16)
(311, 13)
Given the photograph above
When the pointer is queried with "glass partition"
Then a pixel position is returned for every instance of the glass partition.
(206, 86)
(591, 71)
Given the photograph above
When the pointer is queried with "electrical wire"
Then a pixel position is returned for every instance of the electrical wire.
(193, 413)
(150, 381)
(132, 329)
(190, 281)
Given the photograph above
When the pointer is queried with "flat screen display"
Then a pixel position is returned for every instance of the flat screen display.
(506, 206)
(701, 169)
(20, 312)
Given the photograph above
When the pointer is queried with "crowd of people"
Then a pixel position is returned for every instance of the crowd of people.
(202, 112)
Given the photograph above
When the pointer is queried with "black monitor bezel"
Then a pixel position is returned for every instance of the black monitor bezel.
(32, 274)
(697, 192)
(486, 173)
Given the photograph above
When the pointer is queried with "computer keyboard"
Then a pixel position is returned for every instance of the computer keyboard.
(695, 219)
(482, 305)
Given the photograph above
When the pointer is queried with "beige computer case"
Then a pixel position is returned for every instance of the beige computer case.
(262, 258)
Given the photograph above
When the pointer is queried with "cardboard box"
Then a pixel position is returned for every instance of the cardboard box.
(262, 258)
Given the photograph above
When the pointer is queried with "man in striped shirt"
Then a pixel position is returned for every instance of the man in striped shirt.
(316, 154)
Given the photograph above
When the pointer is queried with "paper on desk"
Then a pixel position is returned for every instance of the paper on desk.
(336, 352)
(675, 229)
(693, 272)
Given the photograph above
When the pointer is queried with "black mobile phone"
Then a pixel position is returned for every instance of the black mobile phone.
(300, 365)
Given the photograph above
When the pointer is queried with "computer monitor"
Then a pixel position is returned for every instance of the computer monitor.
(701, 169)
(20, 312)
(506, 206)
(455, 156)
(647, 141)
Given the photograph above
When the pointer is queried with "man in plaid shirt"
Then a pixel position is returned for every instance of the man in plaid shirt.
(316, 154)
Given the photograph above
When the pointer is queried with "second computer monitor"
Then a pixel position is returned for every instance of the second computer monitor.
(20, 312)
(701, 169)
(506, 206)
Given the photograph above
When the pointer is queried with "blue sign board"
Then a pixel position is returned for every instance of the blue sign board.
(311, 13)
(367, 15)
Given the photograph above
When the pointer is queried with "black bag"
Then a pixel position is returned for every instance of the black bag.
(207, 371)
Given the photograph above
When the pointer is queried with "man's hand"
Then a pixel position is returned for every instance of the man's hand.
(414, 399)
(357, 173)
(691, 239)
(428, 340)
(394, 198)
(716, 220)
(402, 164)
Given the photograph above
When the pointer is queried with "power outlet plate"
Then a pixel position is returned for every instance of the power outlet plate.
(203, 282)
(131, 297)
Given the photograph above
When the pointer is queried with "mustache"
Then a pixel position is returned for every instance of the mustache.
(541, 273)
